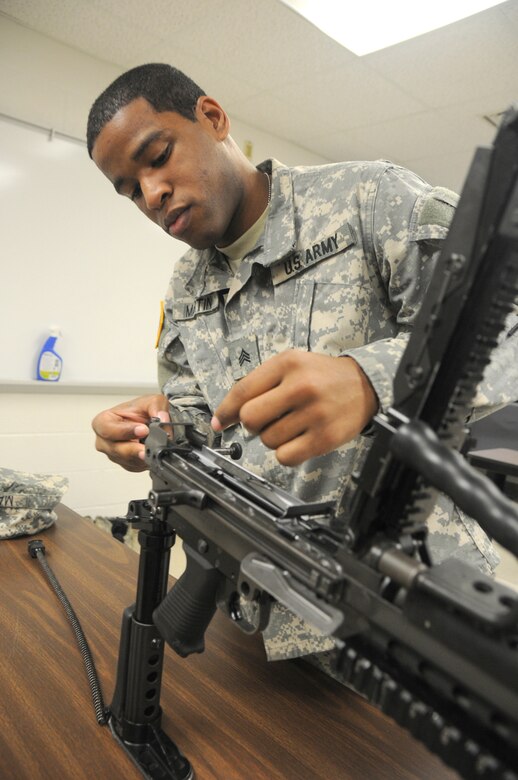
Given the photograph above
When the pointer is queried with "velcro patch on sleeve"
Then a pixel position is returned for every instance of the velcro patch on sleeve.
(438, 208)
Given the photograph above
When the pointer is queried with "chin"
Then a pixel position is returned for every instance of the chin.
(200, 243)
(206, 241)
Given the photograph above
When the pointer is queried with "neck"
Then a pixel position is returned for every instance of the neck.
(254, 200)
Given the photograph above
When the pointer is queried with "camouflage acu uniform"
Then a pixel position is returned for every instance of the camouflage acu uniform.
(340, 269)
(27, 501)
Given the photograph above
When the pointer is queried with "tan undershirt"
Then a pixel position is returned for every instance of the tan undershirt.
(244, 244)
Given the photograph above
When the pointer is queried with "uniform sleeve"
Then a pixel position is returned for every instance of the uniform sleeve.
(499, 385)
(405, 227)
(176, 379)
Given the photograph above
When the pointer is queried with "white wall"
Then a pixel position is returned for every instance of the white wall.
(73, 254)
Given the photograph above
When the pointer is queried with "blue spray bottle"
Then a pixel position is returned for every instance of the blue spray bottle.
(49, 362)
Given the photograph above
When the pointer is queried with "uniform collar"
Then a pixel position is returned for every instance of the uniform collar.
(279, 235)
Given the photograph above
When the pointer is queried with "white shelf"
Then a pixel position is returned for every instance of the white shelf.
(76, 388)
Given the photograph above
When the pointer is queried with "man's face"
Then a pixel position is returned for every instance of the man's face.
(176, 171)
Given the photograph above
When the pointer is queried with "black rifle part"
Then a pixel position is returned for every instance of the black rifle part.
(135, 712)
(431, 644)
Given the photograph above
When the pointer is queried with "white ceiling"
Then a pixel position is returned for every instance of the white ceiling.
(420, 103)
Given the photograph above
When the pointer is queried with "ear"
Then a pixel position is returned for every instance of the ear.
(211, 114)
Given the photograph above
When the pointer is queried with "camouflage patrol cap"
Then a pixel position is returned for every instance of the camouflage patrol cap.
(27, 501)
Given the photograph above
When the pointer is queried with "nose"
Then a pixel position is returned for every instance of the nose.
(155, 191)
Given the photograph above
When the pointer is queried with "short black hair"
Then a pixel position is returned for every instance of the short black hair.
(164, 87)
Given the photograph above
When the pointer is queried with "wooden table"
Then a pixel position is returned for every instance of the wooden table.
(499, 463)
(233, 714)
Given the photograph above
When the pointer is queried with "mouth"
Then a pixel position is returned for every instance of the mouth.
(177, 220)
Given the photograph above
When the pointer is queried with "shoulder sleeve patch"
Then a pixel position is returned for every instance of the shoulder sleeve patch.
(433, 214)
(438, 207)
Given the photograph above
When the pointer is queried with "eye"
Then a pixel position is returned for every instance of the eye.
(162, 158)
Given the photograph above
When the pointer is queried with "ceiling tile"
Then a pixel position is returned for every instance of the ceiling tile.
(456, 63)
(338, 101)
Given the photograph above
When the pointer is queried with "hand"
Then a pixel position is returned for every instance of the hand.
(301, 404)
(118, 430)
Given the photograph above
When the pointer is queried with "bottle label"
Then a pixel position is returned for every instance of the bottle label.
(50, 366)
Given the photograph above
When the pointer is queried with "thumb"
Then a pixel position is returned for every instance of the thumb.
(142, 429)
(162, 415)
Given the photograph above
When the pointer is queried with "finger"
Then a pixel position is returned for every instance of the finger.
(313, 441)
(142, 430)
(162, 414)
(284, 429)
(264, 410)
(112, 427)
(295, 451)
(259, 381)
(304, 439)
(129, 455)
(159, 407)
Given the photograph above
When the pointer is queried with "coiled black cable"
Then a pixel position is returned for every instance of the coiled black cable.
(37, 550)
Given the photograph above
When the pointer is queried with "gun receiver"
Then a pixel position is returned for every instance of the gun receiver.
(433, 646)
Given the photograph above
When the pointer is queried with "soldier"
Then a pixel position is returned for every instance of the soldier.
(285, 321)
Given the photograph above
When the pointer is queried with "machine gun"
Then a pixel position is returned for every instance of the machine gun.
(434, 646)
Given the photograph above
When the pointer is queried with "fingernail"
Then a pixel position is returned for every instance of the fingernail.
(216, 425)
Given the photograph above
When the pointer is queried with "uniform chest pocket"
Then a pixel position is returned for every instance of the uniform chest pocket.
(332, 317)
